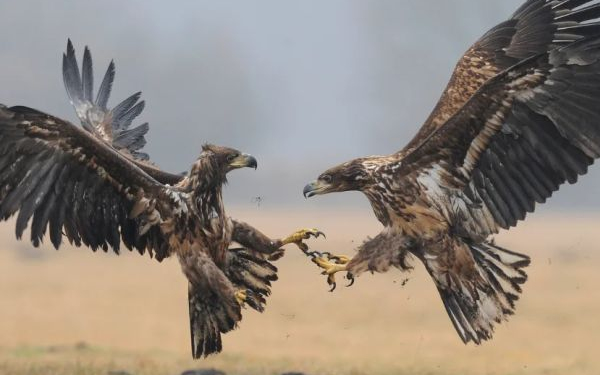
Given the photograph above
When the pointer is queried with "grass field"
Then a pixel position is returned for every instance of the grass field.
(75, 312)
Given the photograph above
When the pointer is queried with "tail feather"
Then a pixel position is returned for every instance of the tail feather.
(475, 304)
(209, 317)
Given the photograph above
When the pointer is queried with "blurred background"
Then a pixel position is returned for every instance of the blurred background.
(302, 85)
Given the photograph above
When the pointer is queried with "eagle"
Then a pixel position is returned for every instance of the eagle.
(519, 118)
(95, 187)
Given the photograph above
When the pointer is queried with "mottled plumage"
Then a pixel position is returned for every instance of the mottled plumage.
(94, 186)
(536, 27)
(518, 119)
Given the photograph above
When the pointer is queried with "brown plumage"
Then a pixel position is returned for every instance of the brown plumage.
(518, 119)
(94, 186)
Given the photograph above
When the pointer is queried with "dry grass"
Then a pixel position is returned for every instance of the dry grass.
(131, 311)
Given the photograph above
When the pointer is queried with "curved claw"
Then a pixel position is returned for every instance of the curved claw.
(308, 233)
(331, 268)
(333, 286)
(313, 255)
(350, 277)
(303, 234)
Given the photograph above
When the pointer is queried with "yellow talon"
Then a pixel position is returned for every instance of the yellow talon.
(331, 265)
(339, 259)
(241, 296)
(303, 234)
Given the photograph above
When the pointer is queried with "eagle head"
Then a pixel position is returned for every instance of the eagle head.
(214, 163)
(226, 159)
(355, 175)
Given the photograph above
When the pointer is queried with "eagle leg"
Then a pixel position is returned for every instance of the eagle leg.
(332, 264)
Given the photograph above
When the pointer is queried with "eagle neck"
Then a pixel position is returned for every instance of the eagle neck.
(206, 186)
(378, 204)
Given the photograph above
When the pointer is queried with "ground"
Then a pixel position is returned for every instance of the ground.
(75, 312)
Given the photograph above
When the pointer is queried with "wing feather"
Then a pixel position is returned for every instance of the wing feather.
(581, 15)
(536, 27)
(87, 76)
(112, 126)
(526, 132)
(66, 179)
(41, 215)
(71, 76)
(106, 87)
(34, 196)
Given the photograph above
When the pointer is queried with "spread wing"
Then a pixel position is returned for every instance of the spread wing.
(537, 27)
(111, 125)
(521, 136)
(66, 181)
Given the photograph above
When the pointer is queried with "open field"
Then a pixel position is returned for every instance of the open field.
(75, 312)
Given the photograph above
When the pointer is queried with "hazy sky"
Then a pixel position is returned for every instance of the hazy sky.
(302, 85)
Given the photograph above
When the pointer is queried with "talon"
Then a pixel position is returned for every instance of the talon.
(350, 277)
(330, 281)
(333, 286)
(303, 234)
(241, 296)
(331, 268)
(341, 259)
(338, 259)
(313, 254)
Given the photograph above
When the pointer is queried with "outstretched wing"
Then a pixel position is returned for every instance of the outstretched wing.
(537, 27)
(524, 133)
(66, 181)
(111, 125)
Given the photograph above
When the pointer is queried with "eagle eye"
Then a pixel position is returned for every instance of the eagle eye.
(326, 178)
(231, 157)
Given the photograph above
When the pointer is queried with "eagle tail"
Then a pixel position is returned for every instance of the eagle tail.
(209, 317)
(475, 305)
(247, 271)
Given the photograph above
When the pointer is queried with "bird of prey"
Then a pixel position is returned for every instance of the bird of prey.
(94, 186)
(519, 117)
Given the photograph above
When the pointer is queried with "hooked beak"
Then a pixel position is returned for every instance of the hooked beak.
(244, 161)
(315, 188)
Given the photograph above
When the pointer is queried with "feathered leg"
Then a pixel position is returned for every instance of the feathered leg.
(214, 303)
(252, 276)
(377, 254)
(252, 239)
